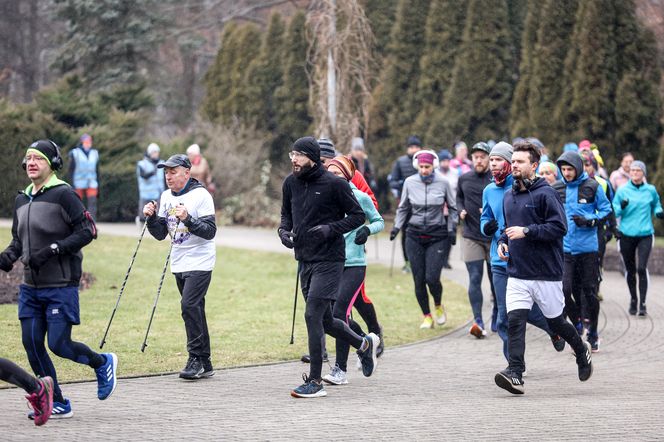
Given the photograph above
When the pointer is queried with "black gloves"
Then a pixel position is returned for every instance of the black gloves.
(451, 234)
(393, 233)
(5, 263)
(362, 235)
(39, 258)
(320, 233)
(623, 204)
(584, 222)
(287, 238)
(659, 215)
(491, 227)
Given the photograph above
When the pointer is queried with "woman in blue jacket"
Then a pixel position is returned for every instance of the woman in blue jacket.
(634, 204)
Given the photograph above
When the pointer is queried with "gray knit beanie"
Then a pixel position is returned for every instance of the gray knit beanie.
(636, 164)
(503, 150)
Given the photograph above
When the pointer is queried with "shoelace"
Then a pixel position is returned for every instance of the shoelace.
(33, 400)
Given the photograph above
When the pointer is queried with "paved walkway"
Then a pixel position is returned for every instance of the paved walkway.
(442, 389)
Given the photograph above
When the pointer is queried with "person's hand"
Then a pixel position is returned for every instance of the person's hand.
(150, 209)
(362, 235)
(659, 215)
(6, 264)
(491, 227)
(39, 258)
(584, 222)
(393, 233)
(503, 251)
(608, 235)
(181, 212)
(463, 214)
(515, 232)
(451, 234)
(287, 238)
(320, 233)
(624, 203)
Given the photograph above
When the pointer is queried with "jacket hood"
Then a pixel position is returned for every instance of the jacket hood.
(574, 160)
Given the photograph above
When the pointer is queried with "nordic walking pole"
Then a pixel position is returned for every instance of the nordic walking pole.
(161, 282)
(297, 285)
(117, 303)
(394, 245)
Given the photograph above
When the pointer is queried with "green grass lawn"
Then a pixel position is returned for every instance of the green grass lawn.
(249, 310)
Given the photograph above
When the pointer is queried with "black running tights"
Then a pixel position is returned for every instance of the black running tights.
(12, 373)
(631, 248)
(349, 290)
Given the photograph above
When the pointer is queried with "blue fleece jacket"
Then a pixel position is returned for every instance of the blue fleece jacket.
(492, 208)
(355, 256)
(636, 217)
(538, 256)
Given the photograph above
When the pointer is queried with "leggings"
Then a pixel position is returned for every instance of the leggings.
(350, 287)
(426, 260)
(366, 309)
(580, 285)
(12, 373)
(59, 342)
(632, 247)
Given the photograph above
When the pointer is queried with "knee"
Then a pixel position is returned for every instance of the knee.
(516, 318)
(555, 323)
(642, 270)
(432, 281)
(56, 347)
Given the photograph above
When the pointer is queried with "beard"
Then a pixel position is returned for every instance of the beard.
(301, 170)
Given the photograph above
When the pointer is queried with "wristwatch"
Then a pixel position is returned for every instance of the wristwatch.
(55, 249)
(525, 231)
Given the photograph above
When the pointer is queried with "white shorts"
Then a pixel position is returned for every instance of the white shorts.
(521, 293)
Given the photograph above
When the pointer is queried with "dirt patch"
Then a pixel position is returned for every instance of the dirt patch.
(9, 283)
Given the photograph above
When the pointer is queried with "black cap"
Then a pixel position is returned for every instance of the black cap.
(308, 146)
(482, 147)
(413, 140)
(175, 161)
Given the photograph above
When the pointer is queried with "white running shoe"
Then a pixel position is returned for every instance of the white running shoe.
(336, 376)
(441, 317)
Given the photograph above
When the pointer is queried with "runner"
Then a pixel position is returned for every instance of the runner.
(634, 204)
(40, 391)
(50, 227)
(532, 246)
(317, 209)
(352, 279)
(421, 210)
(586, 207)
(476, 247)
(492, 224)
(186, 212)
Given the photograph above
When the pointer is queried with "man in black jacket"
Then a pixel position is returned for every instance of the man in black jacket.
(50, 228)
(317, 209)
(476, 246)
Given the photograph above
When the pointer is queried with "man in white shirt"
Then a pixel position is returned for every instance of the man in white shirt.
(186, 213)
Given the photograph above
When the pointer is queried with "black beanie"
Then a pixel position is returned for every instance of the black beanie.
(308, 146)
(50, 150)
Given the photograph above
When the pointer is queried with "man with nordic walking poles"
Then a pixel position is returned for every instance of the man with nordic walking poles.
(317, 209)
(186, 211)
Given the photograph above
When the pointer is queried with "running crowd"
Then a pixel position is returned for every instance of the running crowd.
(541, 228)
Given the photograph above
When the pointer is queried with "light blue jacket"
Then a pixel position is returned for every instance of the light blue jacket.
(355, 256)
(636, 217)
(492, 208)
(154, 185)
(85, 170)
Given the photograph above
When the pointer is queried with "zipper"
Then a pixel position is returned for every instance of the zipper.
(32, 272)
(426, 202)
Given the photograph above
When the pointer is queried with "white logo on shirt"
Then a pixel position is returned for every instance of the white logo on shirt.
(55, 311)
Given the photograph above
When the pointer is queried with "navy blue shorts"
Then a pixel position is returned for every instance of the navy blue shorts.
(56, 304)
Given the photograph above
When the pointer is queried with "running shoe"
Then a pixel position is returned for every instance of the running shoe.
(477, 331)
(585, 363)
(558, 343)
(309, 389)
(441, 317)
(106, 376)
(208, 369)
(632, 306)
(336, 376)
(381, 346)
(368, 356)
(593, 339)
(405, 268)
(510, 381)
(42, 401)
(61, 410)
(193, 370)
(307, 359)
(642, 309)
(428, 322)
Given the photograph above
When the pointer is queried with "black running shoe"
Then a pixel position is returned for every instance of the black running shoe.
(642, 309)
(632, 307)
(510, 381)
(585, 363)
(208, 369)
(194, 369)
(307, 359)
(368, 356)
(309, 389)
(558, 343)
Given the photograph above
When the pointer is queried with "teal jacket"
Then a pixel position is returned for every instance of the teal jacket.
(355, 256)
(636, 217)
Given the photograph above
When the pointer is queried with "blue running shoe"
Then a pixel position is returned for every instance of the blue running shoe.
(61, 410)
(106, 379)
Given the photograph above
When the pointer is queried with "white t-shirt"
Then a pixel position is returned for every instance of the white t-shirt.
(190, 252)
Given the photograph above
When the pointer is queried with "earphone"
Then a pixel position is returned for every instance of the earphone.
(435, 158)
(527, 183)
(56, 161)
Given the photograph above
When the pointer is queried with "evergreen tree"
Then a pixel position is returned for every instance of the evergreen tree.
(396, 106)
(292, 97)
(443, 40)
(248, 46)
(218, 82)
(517, 11)
(381, 14)
(477, 102)
(520, 119)
(548, 66)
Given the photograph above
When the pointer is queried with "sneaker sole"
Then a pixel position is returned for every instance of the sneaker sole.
(191, 378)
(321, 393)
(333, 382)
(114, 364)
(208, 374)
(506, 384)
